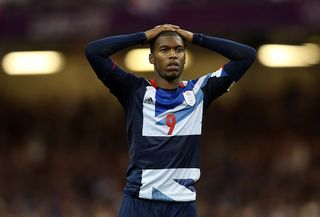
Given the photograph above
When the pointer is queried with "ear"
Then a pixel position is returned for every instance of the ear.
(151, 58)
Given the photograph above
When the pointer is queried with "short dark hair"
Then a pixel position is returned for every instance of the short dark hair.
(166, 33)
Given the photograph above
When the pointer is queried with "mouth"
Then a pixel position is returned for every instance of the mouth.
(173, 66)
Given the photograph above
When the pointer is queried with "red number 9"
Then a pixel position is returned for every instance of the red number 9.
(171, 122)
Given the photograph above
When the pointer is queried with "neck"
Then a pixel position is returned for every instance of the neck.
(165, 84)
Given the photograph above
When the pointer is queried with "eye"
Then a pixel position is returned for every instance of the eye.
(163, 50)
(180, 50)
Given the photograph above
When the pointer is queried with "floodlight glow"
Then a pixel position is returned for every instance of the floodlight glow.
(32, 62)
(137, 60)
(277, 55)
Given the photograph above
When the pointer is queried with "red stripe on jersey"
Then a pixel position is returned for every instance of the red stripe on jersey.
(181, 85)
(155, 85)
(114, 64)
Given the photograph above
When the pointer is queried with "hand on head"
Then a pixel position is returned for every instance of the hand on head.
(152, 33)
(167, 27)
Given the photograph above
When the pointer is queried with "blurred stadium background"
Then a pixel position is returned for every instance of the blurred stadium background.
(63, 152)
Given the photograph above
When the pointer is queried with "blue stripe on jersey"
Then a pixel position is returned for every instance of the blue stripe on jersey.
(206, 79)
(173, 184)
(220, 73)
(166, 100)
(169, 99)
(188, 183)
(158, 195)
(182, 114)
(224, 73)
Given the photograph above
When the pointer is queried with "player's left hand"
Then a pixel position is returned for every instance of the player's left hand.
(187, 35)
(152, 33)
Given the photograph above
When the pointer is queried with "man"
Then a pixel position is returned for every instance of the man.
(164, 115)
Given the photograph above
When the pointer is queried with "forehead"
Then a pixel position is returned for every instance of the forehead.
(169, 41)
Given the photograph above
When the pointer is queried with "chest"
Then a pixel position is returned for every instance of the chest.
(170, 113)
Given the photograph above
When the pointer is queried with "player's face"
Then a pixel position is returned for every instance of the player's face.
(169, 57)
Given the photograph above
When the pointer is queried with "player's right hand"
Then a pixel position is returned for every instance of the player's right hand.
(152, 33)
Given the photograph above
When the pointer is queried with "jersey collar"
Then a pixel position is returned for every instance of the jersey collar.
(155, 85)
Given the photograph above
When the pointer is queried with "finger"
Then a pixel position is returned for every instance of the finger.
(175, 26)
(167, 26)
(171, 25)
(165, 29)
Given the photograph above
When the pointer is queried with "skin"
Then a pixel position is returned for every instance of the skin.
(169, 55)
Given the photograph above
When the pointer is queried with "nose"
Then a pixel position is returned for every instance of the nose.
(173, 53)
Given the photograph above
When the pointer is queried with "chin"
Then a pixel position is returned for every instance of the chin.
(169, 75)
(175, 73)
(172, 76)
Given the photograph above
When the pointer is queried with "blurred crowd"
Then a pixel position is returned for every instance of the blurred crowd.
(260, 157)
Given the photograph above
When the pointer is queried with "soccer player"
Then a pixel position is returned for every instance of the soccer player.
(164, 115)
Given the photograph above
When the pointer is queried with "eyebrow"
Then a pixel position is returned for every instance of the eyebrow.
(166, 46)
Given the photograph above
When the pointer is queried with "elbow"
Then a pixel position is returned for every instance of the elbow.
(89, 50)
(247, 54)
(251, 53)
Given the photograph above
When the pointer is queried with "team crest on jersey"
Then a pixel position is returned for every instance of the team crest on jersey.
(189, 97)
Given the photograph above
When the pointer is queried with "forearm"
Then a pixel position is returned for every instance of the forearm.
(99, 51)
(241, 56)
(110, 45)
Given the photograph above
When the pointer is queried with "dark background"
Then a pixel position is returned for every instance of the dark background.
(63, 149)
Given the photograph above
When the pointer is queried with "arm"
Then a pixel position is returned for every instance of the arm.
(241, 56)
(99, 51)
(119, 82)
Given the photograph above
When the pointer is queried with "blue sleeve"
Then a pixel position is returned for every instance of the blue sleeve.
(241, 58)
(119, 82)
